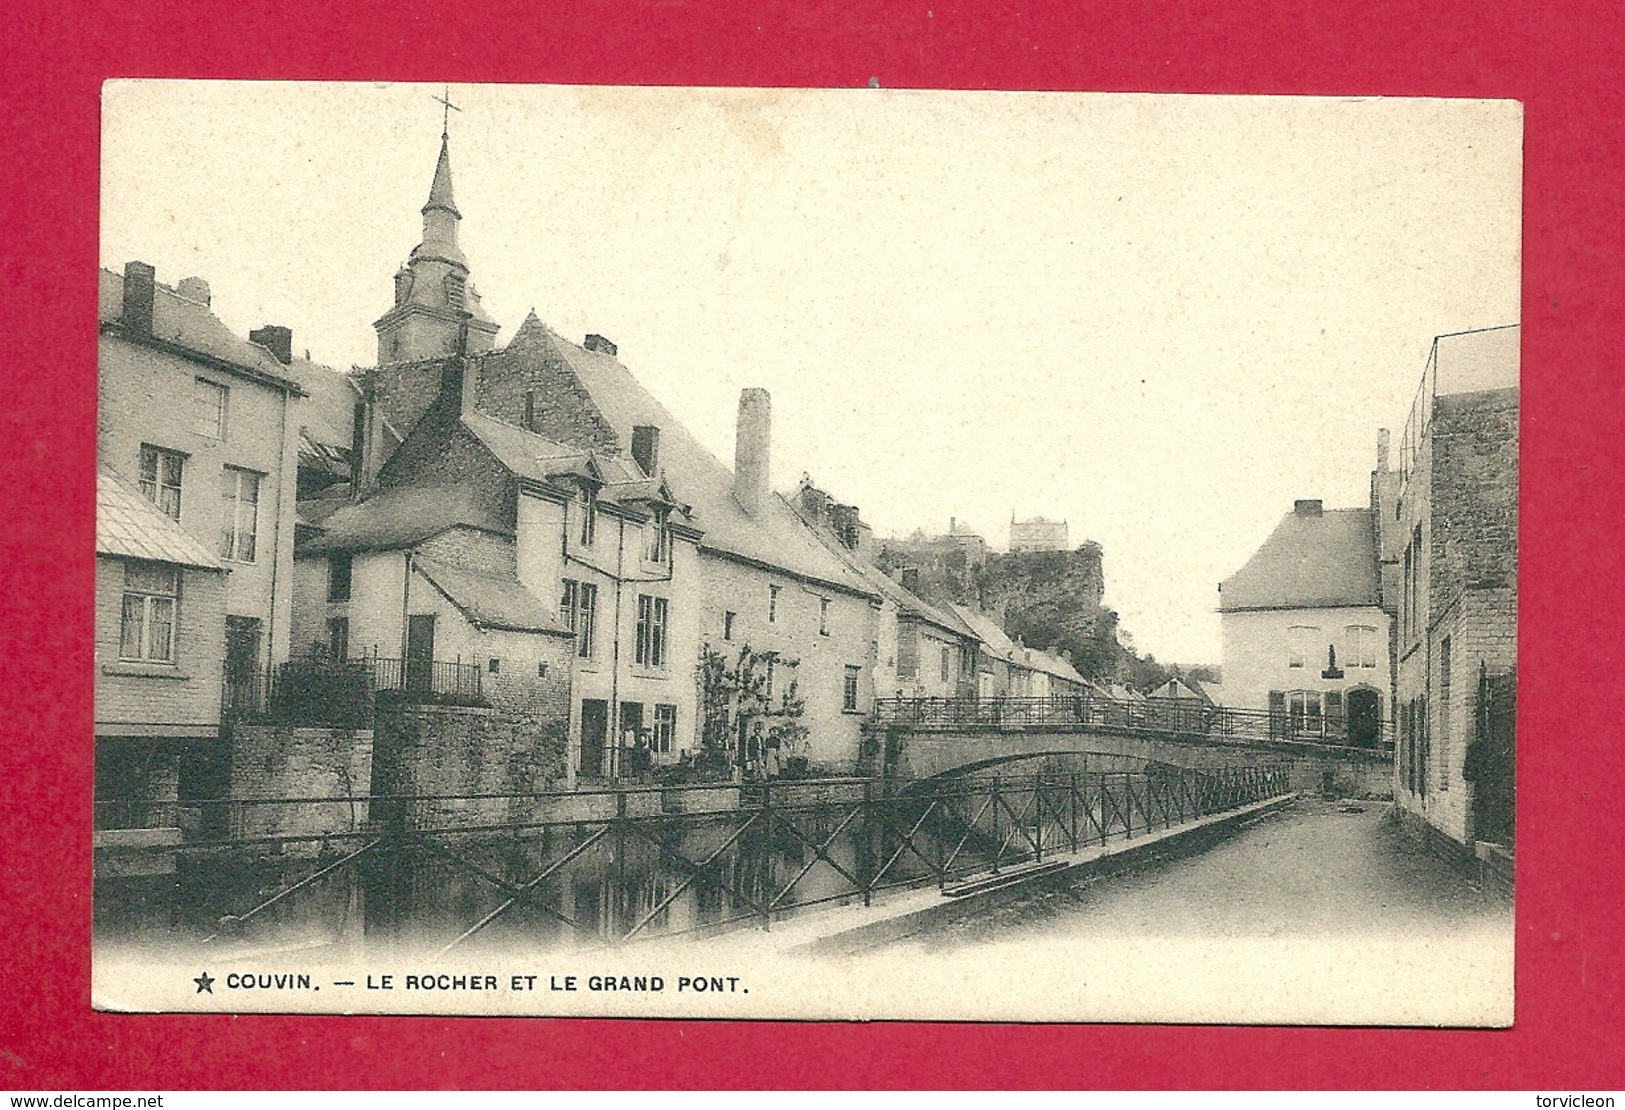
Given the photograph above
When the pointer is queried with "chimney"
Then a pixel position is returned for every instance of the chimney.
(911, 579)
(1306, 507)
(752, 443)
(458, 377)
(276, 339)
(366, 442)
(139, 283)
(600, 344)
(194, 289)
(646, 447)
(1383, 442)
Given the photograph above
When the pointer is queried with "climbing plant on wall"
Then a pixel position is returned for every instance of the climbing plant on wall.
(750, 708)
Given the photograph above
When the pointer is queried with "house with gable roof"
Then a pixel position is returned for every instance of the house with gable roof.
(544, 464)
(160, 644)
(1303, 629)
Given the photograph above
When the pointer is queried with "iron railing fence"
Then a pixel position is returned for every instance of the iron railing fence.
(612, 866)
(1179, 718)
(341, 693)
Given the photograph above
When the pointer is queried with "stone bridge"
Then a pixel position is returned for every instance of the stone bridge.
(933, 743)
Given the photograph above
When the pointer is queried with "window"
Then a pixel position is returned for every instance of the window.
(209, 409)
(1360, 646)
(654, 539)
(454, 290)
(151, 598)
(533, 411)
(650, 648)
(849, 690)
(946, 667)
(767, 689)
(338, 577)
(1303, 711)
(587, 505)
(579, 610)
(241, 491)
(338, 638)
(908, 651)
(728, 625)
(823, 616)
(665, 730)
(494, 665)
(772, 604)
(1278, 719)
(1300, 644)
(161, 478)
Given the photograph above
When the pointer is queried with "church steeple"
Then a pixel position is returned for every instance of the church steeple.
(437, 311)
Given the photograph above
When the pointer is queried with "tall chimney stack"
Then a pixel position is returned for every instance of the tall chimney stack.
(276, 339)
(140, 280)
(752, 443)
(1383, 441)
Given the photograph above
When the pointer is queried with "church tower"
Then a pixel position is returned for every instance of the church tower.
(437, 311)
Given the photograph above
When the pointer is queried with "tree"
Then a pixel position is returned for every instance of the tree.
(746, 717)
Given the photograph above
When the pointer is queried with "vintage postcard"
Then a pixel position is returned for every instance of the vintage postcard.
(829, 554)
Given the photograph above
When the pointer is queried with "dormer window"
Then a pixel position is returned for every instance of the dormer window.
(587, 507)
(655, 546)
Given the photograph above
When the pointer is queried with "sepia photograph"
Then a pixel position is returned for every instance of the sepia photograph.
(806, 554)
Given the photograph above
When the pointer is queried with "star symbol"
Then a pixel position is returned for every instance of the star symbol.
(204, 983)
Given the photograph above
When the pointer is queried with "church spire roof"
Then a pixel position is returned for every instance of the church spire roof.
(440, 191)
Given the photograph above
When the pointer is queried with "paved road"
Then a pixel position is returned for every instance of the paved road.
(1316, 868)
(1319, 913)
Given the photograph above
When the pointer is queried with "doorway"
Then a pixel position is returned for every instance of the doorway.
(1365, 717)
(420, 652)
(594, 731)
(244, 682)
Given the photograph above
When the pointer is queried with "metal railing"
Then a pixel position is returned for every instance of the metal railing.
(335, 693)
(1177, 718)
(607, 867)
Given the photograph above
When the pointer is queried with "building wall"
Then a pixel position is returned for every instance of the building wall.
(145, 396)
(1257, 649)
(134, 698)
(374, 608)
(563, 410)
(1461, 493)
(727, 585)
(280, 761)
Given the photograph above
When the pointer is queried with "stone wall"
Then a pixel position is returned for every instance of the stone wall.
(282, 761)
(442, 751)
(562, 409)
(1474, 520)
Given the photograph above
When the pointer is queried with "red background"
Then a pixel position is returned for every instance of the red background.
(1560, 58)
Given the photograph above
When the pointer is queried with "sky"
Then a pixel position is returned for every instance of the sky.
(1159, 318)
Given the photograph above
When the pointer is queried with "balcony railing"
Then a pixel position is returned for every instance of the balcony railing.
(1183, 718)
(333, 693)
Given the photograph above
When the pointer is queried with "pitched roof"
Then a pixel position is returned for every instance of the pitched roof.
(1053, 665)
(129, 525)
(401, 516)
(1309, 562)
(988, 631)
(489, 600)
(192, 325)
(775, 537)
(328, 414)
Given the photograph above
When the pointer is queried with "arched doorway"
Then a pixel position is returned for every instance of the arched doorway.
(1365, 717)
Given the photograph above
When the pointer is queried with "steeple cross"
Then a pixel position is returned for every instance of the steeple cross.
(445, 114)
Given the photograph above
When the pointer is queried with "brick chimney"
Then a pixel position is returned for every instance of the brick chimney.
(1306, 507)
(910, 579)
(1383, 442)
(752, 445)
(646, 447)
(140, 282)
(276, 339)
(600, 344)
